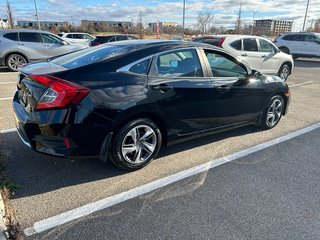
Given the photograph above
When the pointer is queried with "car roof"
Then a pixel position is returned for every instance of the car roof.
(21, 30)
(297, 33)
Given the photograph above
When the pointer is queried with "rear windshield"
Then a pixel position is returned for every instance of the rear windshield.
(90, 55)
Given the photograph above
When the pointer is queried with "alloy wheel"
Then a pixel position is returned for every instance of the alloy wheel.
(15, 61)
(285, 72)
(274, 113)
(139, 144)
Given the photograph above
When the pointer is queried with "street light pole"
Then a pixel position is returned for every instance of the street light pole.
(183, 16)
(305, 16)
(35, 5)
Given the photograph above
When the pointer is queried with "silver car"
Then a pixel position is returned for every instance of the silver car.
(18, 47)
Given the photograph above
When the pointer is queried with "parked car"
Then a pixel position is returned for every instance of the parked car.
(302, 44)
(258, 52)
(110, 38)
(76, 37)
(19, 47)
(122, 101)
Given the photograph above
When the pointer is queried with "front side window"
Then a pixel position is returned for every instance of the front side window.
(181, 63)
(265, 46)
(222, 66)
(69, 36)
(250, 44)
(30, 37)
(141, 67)
(50, 39)
(78, 36)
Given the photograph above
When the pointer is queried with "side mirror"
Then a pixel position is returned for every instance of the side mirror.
(64, 43)
(256, 73)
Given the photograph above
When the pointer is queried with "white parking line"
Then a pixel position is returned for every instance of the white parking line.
(7, 98)
(85, 210)
(300, 84)
(7, 82)
(8, 130)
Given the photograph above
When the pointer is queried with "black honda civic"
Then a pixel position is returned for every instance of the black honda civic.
(122, 101)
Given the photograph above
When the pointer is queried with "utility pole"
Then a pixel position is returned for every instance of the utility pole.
(305, 16)
(183, 16)
(252, 23)
(35, 5)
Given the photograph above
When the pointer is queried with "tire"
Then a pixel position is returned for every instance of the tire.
(13, 61)
(272, 113)
(285, 50)
(284, 72)
(136, 144)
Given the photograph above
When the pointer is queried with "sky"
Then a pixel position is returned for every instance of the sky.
(225, 11)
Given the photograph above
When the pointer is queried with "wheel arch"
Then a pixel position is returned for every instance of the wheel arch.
(14, 52)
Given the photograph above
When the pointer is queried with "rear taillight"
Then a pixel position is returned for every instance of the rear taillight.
(97, 43)
(60, 93)
(221, 42)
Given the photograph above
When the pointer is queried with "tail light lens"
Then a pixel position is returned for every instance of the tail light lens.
(60, 93)
(221, 42)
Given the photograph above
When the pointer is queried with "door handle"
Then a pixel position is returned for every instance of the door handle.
(244, 55)
(223, 88)
(162, 87)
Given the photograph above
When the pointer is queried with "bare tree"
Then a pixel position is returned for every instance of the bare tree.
(204, 19)
(10, 15)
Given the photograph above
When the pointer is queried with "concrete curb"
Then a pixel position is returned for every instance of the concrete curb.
(2, 224)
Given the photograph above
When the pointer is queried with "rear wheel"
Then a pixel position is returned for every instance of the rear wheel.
(284, 72)
(272, 113)
(14, 61)
(136, 144)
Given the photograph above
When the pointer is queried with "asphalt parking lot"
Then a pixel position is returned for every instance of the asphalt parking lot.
(51, 186)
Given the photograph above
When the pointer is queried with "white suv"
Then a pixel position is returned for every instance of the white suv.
(76, 37)
(299, 44)
(258, 52)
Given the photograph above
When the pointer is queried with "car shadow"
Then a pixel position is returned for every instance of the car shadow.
(4, 69)
(38, 173)
(307, 63)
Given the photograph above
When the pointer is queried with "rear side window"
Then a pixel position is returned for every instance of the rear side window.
(60, 34)
(288, 38)
(121, 38)
(11, 36)
(181, 63)
(250, 44)
(141, 67)
(30, 37)
(236, 45)
(78, 36)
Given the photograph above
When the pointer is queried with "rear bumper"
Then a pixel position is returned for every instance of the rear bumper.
(49, 132)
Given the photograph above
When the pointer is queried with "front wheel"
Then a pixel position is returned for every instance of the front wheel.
(136, 144)
(284, 72)
(272, 113)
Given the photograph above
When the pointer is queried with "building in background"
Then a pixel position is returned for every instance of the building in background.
(111, 24)
(153, 25)
(270, 26)
(43, 24)
(4, 23)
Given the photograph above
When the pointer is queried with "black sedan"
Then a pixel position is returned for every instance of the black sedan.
(123, 101)
(110, 38)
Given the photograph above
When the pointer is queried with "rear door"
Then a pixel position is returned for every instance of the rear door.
(31, 43)
(250, 53)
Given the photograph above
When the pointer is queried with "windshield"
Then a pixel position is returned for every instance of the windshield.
(90, 55)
